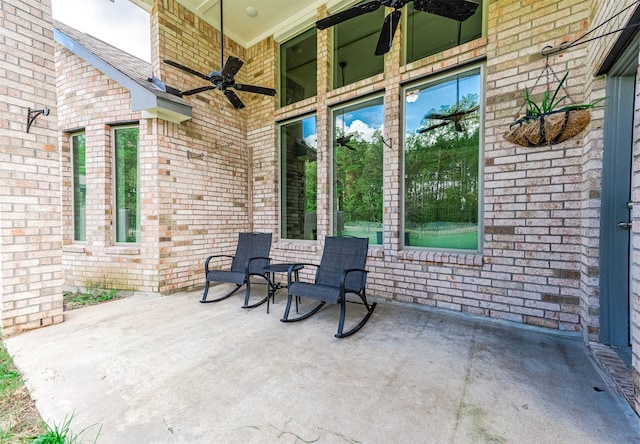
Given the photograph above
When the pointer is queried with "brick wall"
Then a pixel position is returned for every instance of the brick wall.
(539, 261)
(203, 202)
(91, 102)
(30, 238)
(529, 270)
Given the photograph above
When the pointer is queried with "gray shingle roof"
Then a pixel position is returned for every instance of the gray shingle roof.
(125, 69)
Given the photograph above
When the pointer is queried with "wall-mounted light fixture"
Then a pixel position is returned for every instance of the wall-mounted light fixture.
(33, 113)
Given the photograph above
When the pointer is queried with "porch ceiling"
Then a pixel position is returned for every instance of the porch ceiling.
(280, 18)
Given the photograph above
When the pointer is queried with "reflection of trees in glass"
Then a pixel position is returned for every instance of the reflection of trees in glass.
(299, 180)
(310, 186)
(79, 187)
(358, 170)
(441, 172)
(126, 160)
(359, 178)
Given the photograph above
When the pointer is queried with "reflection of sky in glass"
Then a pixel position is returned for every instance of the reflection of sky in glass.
(362, 118)
(434, 96)
(309, 131)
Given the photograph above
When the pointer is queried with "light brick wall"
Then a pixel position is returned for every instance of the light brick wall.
(529, 271)
(30, 236)
(189, 207)
(203, 203)
(91, 102)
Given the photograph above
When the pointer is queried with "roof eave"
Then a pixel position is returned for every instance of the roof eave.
(142, 99)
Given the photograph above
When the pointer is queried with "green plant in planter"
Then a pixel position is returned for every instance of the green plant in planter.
(549, 103)
(548, 122)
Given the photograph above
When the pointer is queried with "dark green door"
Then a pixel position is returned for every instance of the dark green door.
(615, 229)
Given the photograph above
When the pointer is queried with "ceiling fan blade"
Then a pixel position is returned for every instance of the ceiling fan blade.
(187, 69)
(234, 99)
(453, 116)
(387, 32)
(191, 92)
(432, 127)
(255, 89)
(231, 68)
(347, 14)
(459, 10)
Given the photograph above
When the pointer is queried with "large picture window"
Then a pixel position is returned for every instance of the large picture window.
(127, 208)
(299, 169)
(358, 170)
(429, 34)
(78, 153)
(299, 68)
(354, 45)
(441, 162)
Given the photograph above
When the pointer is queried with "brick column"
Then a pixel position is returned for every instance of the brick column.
(31, 276)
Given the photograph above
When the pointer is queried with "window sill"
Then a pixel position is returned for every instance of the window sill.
(74, 248)
(297, 245)
(122, 250)
(458, 258)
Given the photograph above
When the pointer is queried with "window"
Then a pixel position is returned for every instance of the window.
(429, 34)
(441, 162)
(298, 68)
(354, 45)
(127, 208)
(79, 187)
(358, 170)
(299, 179)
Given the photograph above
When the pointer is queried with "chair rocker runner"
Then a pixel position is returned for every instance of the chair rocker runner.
(252, 255)
(341, 271)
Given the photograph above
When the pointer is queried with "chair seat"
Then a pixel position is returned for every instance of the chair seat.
(231, 277)
(323, 293)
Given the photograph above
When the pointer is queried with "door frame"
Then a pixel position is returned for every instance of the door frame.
(615, 272)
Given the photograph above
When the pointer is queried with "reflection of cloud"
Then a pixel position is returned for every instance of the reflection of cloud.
(364, 131)
(312, 140)
(412, 96)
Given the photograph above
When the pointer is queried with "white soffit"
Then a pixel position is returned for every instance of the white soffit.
(281, 19)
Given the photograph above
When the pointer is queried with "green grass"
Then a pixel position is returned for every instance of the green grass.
(461, 241)
(91, 297)
(452, 236)
(20, 422)
(61, 434)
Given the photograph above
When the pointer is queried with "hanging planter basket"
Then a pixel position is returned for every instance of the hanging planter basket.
(549, 128)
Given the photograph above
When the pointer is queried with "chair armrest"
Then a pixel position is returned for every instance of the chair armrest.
(292, 266)
(248, 263)
(215, 256)
(345, 273)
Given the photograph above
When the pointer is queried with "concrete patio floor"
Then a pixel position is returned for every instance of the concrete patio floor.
(171, 370)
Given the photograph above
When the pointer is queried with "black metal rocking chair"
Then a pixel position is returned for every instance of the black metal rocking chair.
(341, 271)
(252, 255)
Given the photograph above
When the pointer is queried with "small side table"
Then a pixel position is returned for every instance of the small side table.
(274, 285)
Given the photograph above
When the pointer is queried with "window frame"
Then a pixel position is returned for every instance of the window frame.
(481, 150)
(333, 111)
(114, 193)
(483, 9)
(72, 138)
(282, 59)
(282, 177)
(337, 70)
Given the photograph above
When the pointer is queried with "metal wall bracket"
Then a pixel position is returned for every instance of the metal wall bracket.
(33, 113)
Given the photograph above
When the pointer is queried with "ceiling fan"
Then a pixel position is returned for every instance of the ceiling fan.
(459, 10)
(223, 79)
(455, 117)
